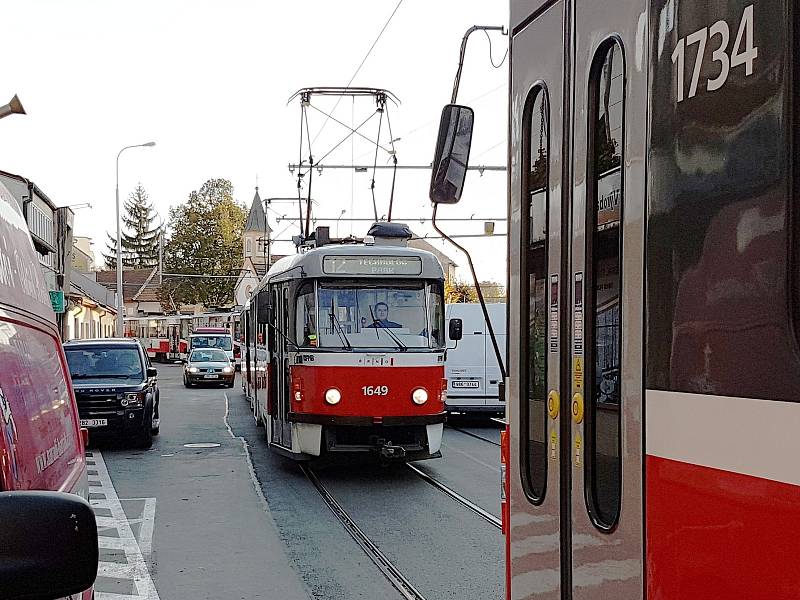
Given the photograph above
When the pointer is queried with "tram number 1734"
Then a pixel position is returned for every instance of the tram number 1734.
(375, 390)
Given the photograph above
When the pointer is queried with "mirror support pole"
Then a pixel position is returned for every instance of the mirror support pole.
(477, 290)
(469, 32)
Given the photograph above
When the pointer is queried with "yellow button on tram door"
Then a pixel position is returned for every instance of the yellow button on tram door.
(577, 407)
(553, 403)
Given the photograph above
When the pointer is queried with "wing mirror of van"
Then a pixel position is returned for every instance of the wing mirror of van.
(49, 547)
(452, 154)
(455, 329)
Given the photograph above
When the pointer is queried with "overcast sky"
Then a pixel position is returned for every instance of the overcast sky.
(209, 83)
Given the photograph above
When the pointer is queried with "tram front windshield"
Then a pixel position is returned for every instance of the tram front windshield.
(400, 316)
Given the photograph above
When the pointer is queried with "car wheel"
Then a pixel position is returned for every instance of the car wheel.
(186, 383)
(156, 424)
(230, 385)
(146, 437)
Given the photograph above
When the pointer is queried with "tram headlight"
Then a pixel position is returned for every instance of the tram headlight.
(333, 396)
(419, 396)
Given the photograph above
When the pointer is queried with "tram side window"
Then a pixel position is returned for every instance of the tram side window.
(603, 264)
(306, 316)
(533, 407)
(436, 315)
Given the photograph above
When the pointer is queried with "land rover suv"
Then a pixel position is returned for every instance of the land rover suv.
(116, 388)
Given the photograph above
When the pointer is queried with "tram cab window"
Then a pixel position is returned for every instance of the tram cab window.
(436, 316)
(535, 190)
(603, 272)
(306, 316)
(369, 316)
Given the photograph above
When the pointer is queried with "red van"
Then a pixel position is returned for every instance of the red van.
(49, 539)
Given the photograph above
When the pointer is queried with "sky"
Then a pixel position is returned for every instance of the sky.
(209, 82)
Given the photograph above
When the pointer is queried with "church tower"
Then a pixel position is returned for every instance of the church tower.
(256, 236)
(256, 253)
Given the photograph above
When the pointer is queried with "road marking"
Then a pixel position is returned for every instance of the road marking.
(115, 533)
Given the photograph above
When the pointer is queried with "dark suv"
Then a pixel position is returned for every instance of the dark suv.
(116, 388)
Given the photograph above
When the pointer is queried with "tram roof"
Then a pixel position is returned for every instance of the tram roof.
(312, 263)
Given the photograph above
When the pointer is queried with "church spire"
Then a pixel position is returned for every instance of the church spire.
(257, 219)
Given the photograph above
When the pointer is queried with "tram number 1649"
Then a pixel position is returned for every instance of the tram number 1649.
(375, 390)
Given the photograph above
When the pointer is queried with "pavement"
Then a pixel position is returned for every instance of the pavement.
(191, 522)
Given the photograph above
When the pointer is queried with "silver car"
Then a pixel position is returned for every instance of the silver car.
(208, 365)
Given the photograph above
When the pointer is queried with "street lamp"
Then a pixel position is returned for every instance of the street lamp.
(120, 297)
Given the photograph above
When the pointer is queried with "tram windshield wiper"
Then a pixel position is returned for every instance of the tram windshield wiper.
(339, 329)
(400, 345)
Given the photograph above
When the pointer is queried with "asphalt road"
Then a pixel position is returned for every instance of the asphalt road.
(238, 521)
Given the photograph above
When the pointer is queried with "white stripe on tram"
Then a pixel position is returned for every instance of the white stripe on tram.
(741, 435)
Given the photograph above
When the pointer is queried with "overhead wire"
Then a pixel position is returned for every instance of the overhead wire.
(364, 60)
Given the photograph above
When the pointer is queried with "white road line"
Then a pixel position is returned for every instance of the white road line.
(250, 467)
(136, 569)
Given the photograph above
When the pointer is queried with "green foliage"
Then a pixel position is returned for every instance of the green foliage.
(140, 246)
(206, 239)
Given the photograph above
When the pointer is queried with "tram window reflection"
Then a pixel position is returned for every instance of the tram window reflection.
(605, 204)
(306, 316)
(533, 408)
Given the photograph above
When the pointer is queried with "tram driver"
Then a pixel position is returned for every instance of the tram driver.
(382, 317)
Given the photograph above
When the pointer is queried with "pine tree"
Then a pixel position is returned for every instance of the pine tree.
(140, 246)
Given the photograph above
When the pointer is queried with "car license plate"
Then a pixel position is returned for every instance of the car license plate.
(94, 422)
(211, 376)
(466, 384)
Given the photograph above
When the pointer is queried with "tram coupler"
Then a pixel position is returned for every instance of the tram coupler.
(390, 451)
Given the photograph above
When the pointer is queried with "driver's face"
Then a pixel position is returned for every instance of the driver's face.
(381, 312)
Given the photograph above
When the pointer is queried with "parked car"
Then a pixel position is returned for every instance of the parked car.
(471, 368)
(116, 387)
(208, 365)
(49, 538)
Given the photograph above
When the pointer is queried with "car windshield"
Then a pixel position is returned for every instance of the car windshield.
(104, 363)
(208, 355)
(397, 317)
(223, 342)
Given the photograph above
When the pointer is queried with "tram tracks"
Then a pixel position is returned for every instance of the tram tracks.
(389, 570)
(474, 435)
(451, 493)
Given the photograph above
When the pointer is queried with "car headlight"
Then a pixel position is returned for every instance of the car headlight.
(419, 396)
(193, 369)
(227, 369)
(132, 400)
(333, 396)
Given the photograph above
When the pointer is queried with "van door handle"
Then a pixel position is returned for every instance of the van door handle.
(477, 333)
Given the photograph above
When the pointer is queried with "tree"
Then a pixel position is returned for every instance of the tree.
(493, 291)
(140, 247)
(206, 239)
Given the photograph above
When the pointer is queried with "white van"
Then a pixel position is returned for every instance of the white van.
(471, 368)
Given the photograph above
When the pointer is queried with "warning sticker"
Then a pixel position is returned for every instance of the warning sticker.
(577, 372)
(553, 444)
(578, 449)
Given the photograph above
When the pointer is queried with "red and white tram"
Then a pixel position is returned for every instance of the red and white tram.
(654, 299)
(167, 337)
(345, 350)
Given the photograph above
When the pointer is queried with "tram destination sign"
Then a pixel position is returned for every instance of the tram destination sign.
(372, 265)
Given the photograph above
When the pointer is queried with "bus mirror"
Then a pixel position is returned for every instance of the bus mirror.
(449, 168)
(454, 331)
(263, 309)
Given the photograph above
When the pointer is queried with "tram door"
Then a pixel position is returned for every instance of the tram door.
(578, 126)
(281, 428)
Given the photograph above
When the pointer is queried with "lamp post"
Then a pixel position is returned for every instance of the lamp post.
(120, 297)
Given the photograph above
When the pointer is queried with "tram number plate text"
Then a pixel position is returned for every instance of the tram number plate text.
(718, 38)
(375, 390)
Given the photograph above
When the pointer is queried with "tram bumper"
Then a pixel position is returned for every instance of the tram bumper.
(391, 438)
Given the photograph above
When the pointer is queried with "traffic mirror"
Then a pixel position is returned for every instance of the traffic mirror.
(452, 154)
